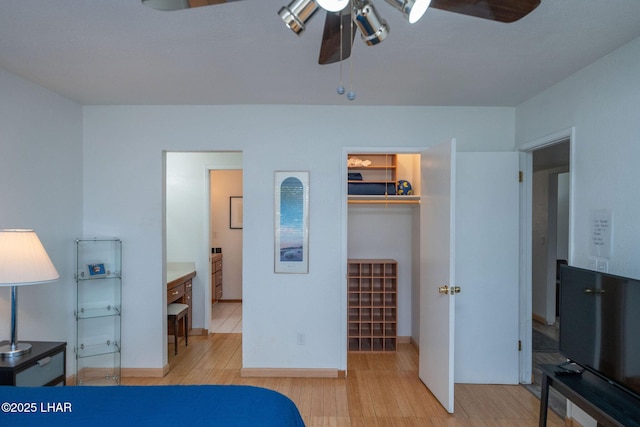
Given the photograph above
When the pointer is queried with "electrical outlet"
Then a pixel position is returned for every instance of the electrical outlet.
(301, 338)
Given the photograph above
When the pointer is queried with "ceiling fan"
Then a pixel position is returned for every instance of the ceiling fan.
(344, 17)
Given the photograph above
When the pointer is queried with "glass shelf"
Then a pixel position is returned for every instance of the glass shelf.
(109, 275)
(100, 380)
(98, 310)
(99, 349)
(92, 313)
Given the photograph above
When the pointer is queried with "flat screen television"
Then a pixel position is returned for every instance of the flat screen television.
(600, 324)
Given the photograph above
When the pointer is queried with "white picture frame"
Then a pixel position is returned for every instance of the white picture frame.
(291, 209)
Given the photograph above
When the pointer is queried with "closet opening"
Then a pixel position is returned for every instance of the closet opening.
(382, 250)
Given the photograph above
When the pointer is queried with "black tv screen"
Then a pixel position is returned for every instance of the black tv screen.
(600, 324)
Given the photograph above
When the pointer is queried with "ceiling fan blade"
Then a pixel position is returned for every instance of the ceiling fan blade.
(330, 48)
(495, 10)
(168, 5)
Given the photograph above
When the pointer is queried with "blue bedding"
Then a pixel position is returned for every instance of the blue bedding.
(371, 188)
(179, 405)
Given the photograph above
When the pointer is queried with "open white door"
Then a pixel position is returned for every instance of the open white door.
(437, 269)
(476, 195)
(487, 268)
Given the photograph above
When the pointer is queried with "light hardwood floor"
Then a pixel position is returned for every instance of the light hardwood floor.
(226, 318)
(557, 402)
(380, 390)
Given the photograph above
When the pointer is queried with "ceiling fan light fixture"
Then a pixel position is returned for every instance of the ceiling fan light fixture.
(373, 29)
(297, 14)
(333, 5)
(167, 5)
(412, 10)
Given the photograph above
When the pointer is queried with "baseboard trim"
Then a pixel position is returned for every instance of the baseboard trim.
(289, 373)
(415, 344)
(538, 318)
(229, 300)
(133, 373)
(71, 379)
(404, 340)
(570, 422)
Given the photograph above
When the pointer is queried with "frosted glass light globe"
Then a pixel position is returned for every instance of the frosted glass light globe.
(332, 5)
(418, 9)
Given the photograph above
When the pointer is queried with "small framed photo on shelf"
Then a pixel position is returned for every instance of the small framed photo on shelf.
(96, 269)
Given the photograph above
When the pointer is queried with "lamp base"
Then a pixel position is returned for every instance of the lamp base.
(8, 351)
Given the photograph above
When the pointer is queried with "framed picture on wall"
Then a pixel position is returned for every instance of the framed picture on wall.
(235, 212)
(291, 208)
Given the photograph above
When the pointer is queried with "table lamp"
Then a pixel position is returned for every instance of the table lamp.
(23, 261)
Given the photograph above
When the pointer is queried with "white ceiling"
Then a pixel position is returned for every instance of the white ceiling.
(121, 52)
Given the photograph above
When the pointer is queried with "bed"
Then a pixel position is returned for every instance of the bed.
(174, 405)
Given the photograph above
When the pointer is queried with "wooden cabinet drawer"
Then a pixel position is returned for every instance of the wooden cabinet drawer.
(175, 293)
(42, 372)
(216, 277)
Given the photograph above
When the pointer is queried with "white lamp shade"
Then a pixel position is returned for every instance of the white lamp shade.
(23, 259)
(333, 5)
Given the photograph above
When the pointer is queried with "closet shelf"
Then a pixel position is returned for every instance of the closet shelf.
(383, 200)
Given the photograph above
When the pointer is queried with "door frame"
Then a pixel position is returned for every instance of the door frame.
(526, 222)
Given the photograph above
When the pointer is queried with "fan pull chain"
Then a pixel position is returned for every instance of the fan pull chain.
(351, 95)
(340, 89)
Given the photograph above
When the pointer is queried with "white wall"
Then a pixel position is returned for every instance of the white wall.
(41, 188)
(386, 232)
(550, 238)
(123, 162)
(225, 184)
(539, 230)
(601, 101)
(563, 216)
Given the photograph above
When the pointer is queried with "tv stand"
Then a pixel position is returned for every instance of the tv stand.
(608, 404)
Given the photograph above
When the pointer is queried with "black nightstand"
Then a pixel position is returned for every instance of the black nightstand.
(44, 365)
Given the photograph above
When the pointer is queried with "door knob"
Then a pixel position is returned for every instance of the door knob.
(449, 290)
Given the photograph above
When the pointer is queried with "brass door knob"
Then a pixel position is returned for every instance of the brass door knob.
(449, 290)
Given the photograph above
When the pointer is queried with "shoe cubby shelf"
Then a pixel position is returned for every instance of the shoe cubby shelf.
(372, 305)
